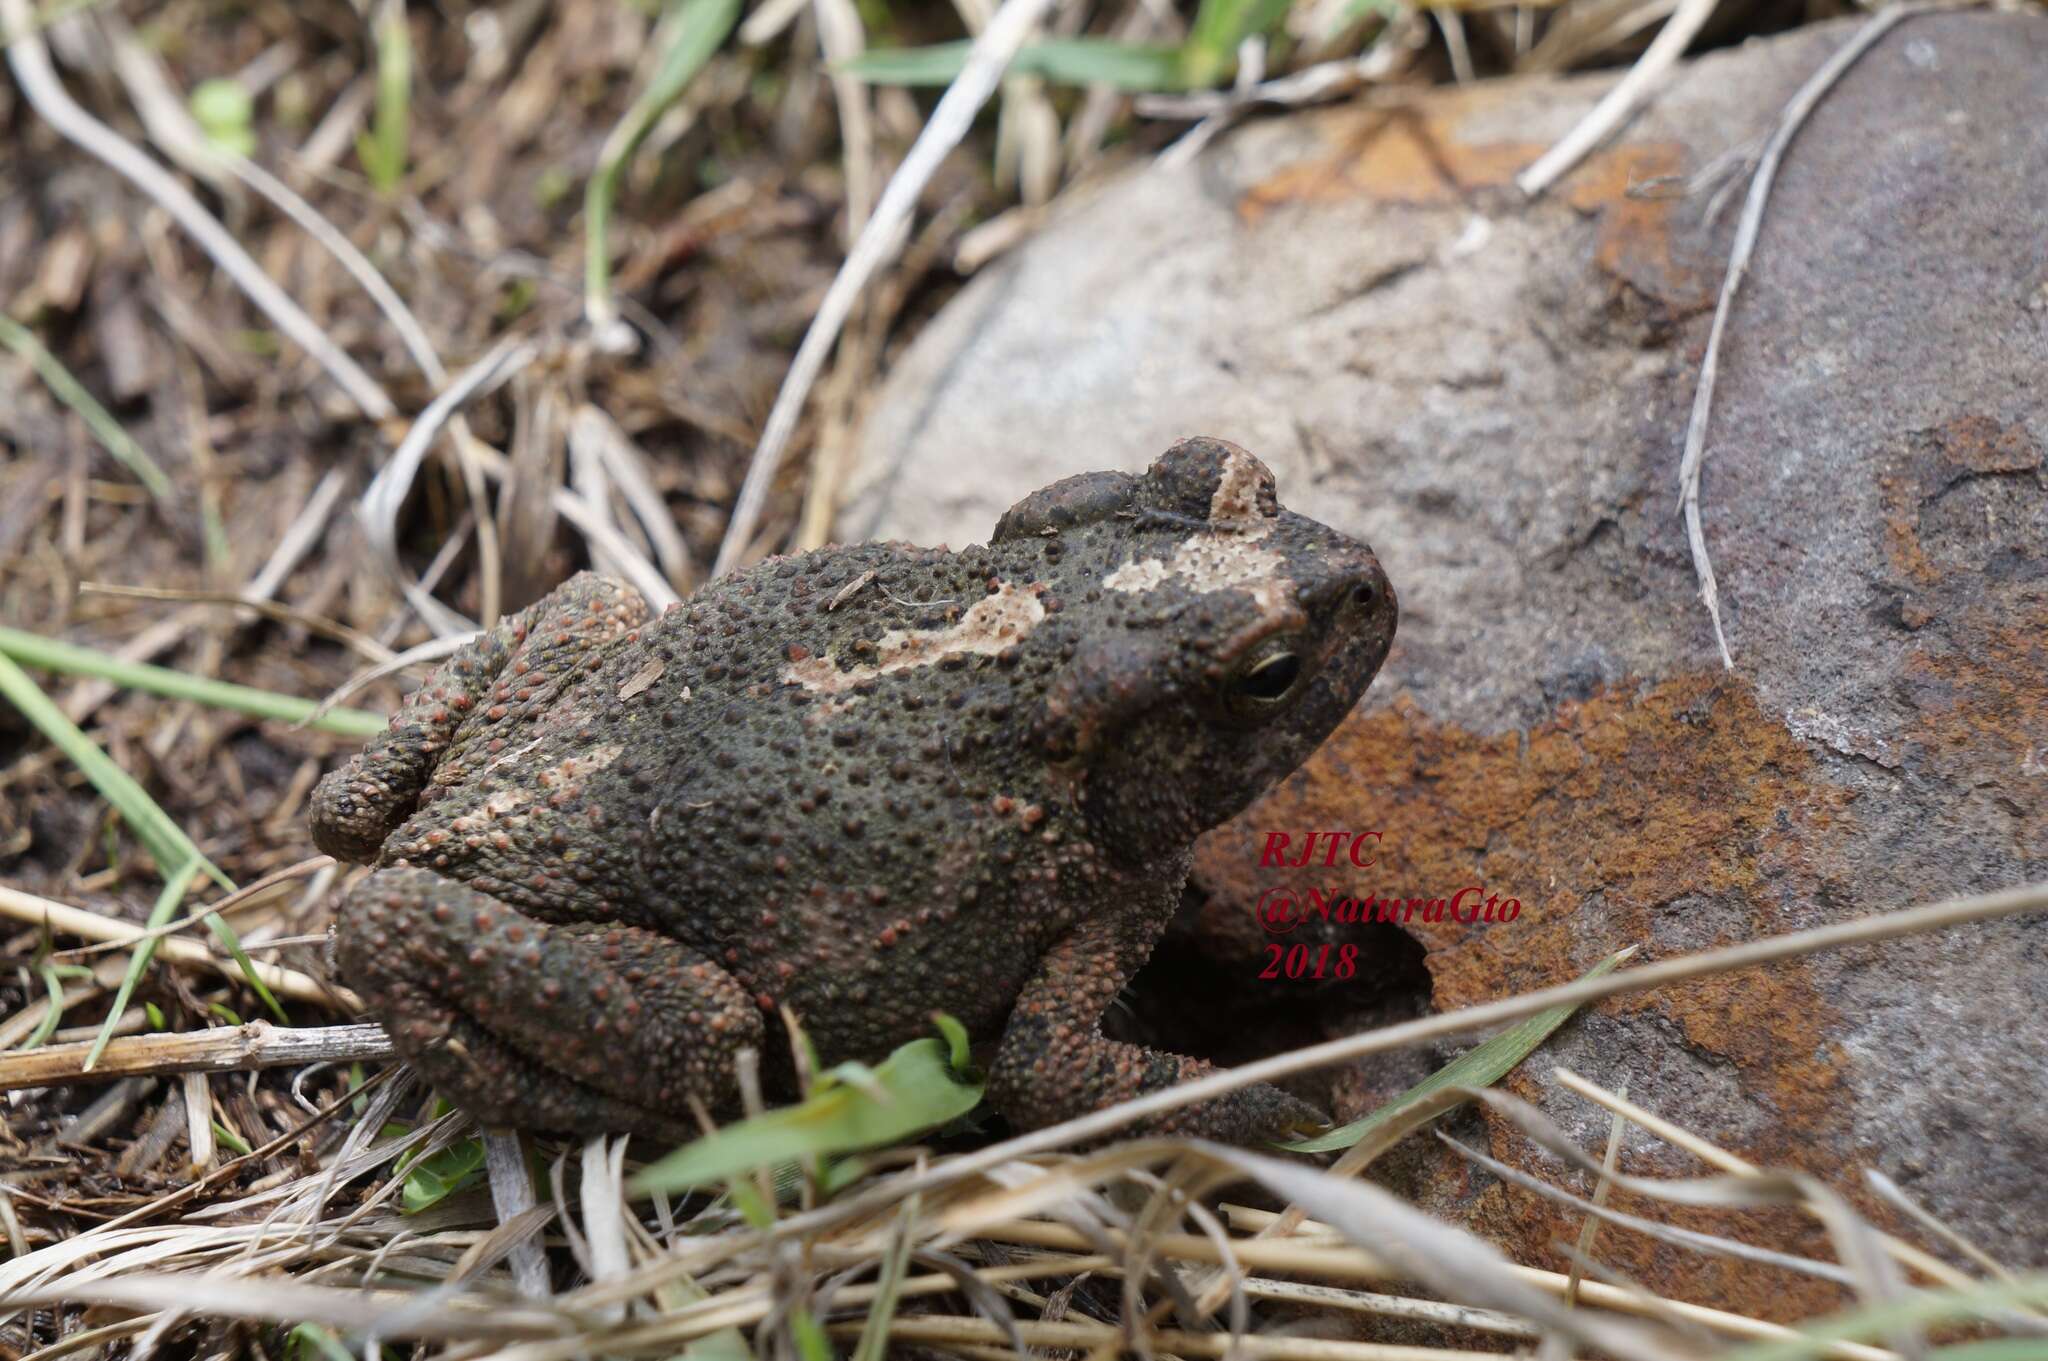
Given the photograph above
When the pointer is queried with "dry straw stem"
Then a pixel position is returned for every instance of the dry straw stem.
(1789, 122)
(1596, 1213)
(225, 1049)
(380, 502)
(1715, 1156)
(877, 242)
(432, 650)
(594, 523)
(1351, 1263)
(1861, 1249)
(1893, 1193)
(1621, 101)
(76, 921)
(1328, 1257)
(1098, 1124)
(1282, 1255)
(1590, 1230)
(30, 57)
(1109, 1339)
(248, 895)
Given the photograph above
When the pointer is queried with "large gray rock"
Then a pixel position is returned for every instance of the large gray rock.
(1494, 395)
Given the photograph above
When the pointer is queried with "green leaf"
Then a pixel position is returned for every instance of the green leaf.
(755, 1208)
(1481, 1066)
(229, 1137)
(431, 1180)
(1359, 9)
(727, 1344)
(311, 1342)
(70, 659)
(850, 1107)
(958, 1049)
(1139, 67)
(226, 113)
(690, 32)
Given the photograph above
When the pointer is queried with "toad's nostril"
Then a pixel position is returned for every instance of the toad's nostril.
(1363, 595)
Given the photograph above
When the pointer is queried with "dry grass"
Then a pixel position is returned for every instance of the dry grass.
(333, 404)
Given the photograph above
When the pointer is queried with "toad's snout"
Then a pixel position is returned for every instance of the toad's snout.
(1348, 579)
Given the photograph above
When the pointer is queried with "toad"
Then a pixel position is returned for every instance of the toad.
(863, 784)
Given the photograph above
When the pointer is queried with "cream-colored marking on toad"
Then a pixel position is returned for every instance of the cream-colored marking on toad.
(1230, 555)
(1235, 502)
(565, 773)
(993, 624)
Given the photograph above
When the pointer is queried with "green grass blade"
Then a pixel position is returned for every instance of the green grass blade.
(1220, 25)
(874, 1334)
(232, 943)
(1921, 1308)
(72, 393)
(1481, 1066)
(166, 843)
(690, 31)
(175, 886)
(1138, 67)
(382, 150)
(935, 64)
(177, 859)
(55, 1015)
(51, 655)
(809, 1336)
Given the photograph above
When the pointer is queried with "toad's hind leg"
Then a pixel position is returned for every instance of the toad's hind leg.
(499, 671)
(581, 1028)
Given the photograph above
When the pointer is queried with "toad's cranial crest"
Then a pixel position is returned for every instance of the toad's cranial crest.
(1231, 556)
(861, 784)
(1242, 490)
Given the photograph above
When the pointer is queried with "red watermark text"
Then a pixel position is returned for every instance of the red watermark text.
(1282, 908)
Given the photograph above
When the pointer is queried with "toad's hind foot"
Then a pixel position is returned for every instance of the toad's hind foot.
(580, 1028)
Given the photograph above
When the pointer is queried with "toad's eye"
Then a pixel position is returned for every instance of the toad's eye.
(1268, 680)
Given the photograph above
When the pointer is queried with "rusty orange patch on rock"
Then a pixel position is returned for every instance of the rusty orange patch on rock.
(1675, 815)
(1413, 155)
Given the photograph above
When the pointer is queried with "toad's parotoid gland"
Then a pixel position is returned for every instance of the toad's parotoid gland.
(865, 783)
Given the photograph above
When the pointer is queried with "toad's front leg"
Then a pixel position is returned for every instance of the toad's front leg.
(581, 1028)
(1053, 1064)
